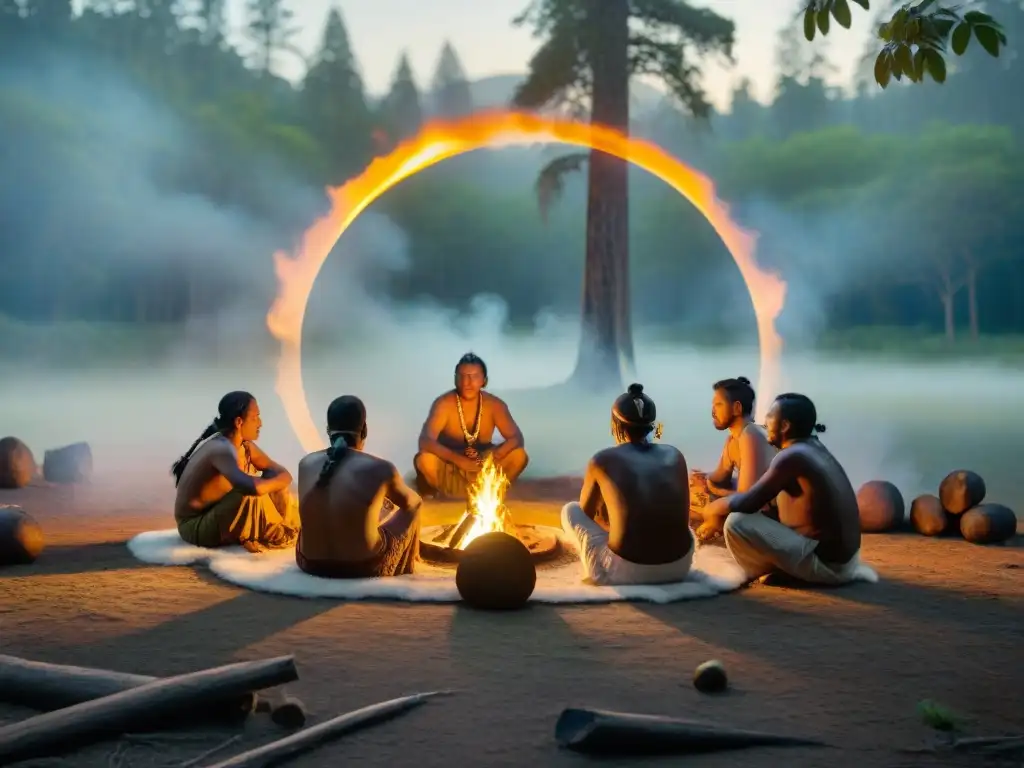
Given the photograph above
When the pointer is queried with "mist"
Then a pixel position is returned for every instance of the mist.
(140, 414)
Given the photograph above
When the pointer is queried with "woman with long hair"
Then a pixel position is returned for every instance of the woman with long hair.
(230, 491)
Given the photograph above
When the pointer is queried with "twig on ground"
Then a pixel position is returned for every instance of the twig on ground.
(277, 751)
(208, 753)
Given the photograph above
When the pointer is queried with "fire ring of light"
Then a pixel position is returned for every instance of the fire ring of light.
(439, 141)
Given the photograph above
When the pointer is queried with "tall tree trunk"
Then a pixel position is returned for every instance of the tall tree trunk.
(972, 295)
(606, 346)
(947, 307)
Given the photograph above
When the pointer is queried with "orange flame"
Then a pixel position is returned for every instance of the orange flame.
(442, 140)
(487, 502)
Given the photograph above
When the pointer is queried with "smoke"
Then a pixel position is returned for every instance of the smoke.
(120, 211)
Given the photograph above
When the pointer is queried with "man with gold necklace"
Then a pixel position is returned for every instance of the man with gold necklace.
(458, 435)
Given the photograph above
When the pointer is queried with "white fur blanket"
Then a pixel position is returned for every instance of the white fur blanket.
(713, 573)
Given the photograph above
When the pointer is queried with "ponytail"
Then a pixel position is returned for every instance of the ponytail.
(178, 468)
(819, 428)
(338, 450)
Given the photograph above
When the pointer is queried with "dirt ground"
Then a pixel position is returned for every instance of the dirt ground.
(847, 666)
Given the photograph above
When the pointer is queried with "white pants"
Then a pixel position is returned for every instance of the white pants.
(603, 567)
(760, 546)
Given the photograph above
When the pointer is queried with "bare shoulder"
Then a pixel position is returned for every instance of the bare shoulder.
(605, 458)
(442, 403)
(312, 460)
(494, 401)
(753, 434)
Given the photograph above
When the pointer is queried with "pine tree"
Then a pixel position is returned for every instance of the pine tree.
(334, 100)
(450, 90)
(402, 108)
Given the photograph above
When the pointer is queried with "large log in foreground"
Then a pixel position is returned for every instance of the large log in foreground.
(64, 729)
(46, 687)
(308, 738)
(599, 732)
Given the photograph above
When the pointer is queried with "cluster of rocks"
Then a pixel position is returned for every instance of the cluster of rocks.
(21, 538)
(957, 509)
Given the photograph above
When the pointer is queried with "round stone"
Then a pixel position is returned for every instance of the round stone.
(927, 516)
(881, 506)
(710, 677)
(17, 464)
(988, 524)
(496, 572)
(961, 490)
(21, 538)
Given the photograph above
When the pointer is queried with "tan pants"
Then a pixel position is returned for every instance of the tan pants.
(760, 546)
(605, 568)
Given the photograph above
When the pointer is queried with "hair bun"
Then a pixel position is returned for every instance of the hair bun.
(635, 390)
(819, 428)
(743, 380)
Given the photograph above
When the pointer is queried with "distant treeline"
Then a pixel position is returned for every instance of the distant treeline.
(901, 207)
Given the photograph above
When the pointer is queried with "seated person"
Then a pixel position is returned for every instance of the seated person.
(643, 491)
(816, 537)
(345, 496)
(229, 491)
(745, 456)
(456, 437)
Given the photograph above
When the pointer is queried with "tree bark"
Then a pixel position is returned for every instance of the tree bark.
(60, 731)
(606, 345)
(947, 308)
(972, 295)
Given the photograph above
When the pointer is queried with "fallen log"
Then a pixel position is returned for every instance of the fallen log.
(64, 729)
(599, 732)
(312, 737)
(47, 687)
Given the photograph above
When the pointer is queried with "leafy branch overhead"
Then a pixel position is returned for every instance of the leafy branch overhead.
(916, 38)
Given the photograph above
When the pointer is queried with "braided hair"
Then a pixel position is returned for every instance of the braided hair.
(346, 425)
(233, 405)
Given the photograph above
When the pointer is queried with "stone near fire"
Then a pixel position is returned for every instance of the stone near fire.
(961, 490)
(17, 464)
(70, 464)
(496, 572)
(710, 677)
(927, 516)
(988, 524)
(21, 538)
(881, 506)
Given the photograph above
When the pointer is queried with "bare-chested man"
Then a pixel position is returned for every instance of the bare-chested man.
(642, 489)
(229, 491)
(457, 435)
(359, 518)
(745, 456)
(817, 536)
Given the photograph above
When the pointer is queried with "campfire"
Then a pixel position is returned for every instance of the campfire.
(486, 512)
(485, 508)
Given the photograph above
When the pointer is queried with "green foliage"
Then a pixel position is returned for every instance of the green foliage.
(916, 38)
(937, 717)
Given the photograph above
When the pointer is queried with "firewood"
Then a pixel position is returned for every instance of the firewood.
(599, 732)
(62, 730)
(47, 687)
(309, 738)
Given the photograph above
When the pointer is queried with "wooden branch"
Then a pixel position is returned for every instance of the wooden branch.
(46, 687)
(599, 732)
(309, 738)
(60, 731)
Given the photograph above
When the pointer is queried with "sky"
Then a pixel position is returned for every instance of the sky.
(488, 44)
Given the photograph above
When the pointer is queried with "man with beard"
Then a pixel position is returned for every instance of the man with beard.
(457, 436)
(745, 456)
(816, 538)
